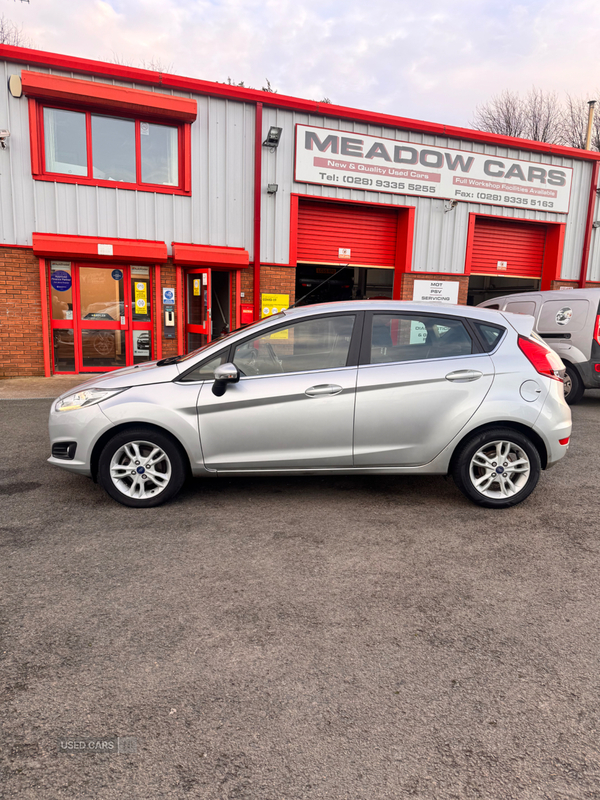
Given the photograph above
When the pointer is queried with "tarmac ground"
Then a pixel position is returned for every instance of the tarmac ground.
(349, 638)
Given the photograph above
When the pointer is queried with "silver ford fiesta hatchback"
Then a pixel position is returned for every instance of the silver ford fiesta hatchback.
(362, 387)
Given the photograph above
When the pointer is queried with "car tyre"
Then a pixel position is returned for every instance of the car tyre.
(142, 468)
(497, 468)
(574, 387)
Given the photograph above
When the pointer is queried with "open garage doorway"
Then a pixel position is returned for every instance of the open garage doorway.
(328, 284)
(486, 287)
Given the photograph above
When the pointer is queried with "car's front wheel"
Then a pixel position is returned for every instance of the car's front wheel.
(141, 468)
(497, 468)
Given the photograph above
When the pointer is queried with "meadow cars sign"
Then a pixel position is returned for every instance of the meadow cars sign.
(339, 158)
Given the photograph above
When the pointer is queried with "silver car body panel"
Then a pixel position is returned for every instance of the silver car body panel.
(280, 421)
(407, 412)
(270, 425)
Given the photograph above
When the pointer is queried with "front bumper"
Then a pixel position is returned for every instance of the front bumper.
(84, 427)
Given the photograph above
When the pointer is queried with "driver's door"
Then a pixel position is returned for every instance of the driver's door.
(293, 407)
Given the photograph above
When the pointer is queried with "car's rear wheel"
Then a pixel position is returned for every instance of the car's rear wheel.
(141, 468)
(573, 385)
(497, 468)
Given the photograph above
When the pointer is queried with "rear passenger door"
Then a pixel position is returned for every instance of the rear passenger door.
(421, 378)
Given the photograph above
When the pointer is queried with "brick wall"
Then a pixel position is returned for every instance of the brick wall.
(408, 279)
(558, 284)
(21, 345)
(168, 280)
(278, 280)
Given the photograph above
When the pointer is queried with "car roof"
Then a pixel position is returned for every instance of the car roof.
(395, 306)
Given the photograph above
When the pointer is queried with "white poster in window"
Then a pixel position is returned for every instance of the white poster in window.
(435, 292)
(141, 343)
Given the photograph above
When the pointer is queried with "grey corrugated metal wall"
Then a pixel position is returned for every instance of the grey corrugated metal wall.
(219, 212)
(440, 238)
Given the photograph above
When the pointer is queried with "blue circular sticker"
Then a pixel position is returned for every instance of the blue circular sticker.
(168, 294)
(117, 274)
(60, 280)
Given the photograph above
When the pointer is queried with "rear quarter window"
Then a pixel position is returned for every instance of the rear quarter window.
(490, 335)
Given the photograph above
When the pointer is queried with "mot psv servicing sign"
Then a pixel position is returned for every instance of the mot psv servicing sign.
(338, 158)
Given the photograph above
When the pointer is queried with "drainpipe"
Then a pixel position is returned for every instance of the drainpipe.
(588, 138)
(588, 226)
(257, 203)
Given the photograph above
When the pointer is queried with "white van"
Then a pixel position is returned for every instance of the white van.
(569, 321)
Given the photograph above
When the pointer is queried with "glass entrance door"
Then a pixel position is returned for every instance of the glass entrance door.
(101, 316)
(198, 327)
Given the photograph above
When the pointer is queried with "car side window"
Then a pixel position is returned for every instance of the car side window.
(490, 334)
(407, 337)
(205, 371)
(311, 344)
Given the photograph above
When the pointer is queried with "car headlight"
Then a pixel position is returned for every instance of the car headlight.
(83, 398)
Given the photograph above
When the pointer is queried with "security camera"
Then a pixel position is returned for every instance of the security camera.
(4, 134)
(450, 205)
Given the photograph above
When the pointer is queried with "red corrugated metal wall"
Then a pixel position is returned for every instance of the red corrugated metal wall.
(369, 233)
(520, 244)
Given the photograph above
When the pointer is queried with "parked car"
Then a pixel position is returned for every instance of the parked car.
(569, 321)
(358, 387)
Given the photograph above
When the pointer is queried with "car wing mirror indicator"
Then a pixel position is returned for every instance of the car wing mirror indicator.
(224, 374)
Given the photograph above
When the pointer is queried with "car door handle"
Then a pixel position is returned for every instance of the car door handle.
(323, 388)
(464, 375)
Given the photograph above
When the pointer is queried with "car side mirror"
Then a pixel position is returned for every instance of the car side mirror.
(224, 374)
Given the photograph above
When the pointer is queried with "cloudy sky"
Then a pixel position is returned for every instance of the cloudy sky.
(432, 60)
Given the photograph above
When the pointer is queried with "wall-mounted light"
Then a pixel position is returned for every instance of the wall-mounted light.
(15, 85)
(4, 134)
(596, 224)
(272, 188)
(273, 137)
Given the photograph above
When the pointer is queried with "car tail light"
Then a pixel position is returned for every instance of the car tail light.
(564, 441)
(545, 361)
(597, 329)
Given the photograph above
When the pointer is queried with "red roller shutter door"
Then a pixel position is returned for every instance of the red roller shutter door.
(520, 244)
(369, 233)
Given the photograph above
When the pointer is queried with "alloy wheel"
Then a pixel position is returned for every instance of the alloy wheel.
(140, 470)
(499, 469)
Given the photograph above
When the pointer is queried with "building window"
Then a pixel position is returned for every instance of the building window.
(98, 148)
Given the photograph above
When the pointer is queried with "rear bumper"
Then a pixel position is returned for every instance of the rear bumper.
(554, 423)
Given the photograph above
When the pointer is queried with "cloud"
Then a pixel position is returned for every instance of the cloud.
(432, 60)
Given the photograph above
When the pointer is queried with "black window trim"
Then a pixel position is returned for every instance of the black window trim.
(353, 350)
(365, 352)
(485, 349)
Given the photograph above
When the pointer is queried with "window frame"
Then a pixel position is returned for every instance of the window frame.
(353, 348)
(38, 148)
(351, 360)
(365, 349)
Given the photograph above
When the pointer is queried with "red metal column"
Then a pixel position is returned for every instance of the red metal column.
(158, 311)
(45, 320)
(257, 206)
(180, 310)
(588, 226)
